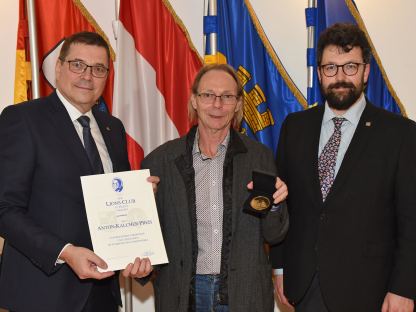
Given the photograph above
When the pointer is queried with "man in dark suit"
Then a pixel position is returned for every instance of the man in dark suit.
(351, 173)
(46, 145)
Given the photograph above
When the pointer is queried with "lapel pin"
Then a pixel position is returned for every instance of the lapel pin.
(108, 128)
(368, 123)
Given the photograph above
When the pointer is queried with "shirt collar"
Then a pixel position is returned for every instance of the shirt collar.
(196, 150)
(73, 112)
(352, 115)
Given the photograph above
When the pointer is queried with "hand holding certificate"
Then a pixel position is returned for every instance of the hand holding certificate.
(122, 218)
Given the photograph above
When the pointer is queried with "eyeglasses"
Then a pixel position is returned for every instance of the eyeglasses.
(349, 69)
(79, 67)
(209, 98)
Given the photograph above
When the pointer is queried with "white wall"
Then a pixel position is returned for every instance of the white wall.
(8, 28)
(390, 25)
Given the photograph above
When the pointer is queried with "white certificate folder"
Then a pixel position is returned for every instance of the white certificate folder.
(122, 218)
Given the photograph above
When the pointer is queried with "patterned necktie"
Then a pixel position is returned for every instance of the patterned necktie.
(328, 158)
(90, 146)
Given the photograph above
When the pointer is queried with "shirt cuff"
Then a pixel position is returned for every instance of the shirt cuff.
(277, 271)
(60, 261)
(275, 207)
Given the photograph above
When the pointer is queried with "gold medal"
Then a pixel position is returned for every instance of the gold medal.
(260, 203)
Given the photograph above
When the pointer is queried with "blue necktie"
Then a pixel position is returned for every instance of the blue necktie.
(90, 146)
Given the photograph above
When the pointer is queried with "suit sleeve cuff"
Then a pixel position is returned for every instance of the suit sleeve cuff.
(58, 260)
(275, 207)
(277, 271)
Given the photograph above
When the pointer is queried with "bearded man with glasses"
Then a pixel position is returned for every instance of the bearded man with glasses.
(46, 145)
(350, 168)
(217, 260)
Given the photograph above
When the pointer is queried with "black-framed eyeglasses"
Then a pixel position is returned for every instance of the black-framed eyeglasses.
(209, 98)
(79, 67)
(349, 69)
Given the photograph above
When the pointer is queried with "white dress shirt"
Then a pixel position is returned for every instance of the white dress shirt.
(352, 116)
(74, 114)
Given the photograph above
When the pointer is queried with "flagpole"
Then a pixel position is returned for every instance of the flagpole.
(212, 10)
(116, 21)
(204, 41)
(311, 45)
(128, 296)
(34, 61)
(128, 293)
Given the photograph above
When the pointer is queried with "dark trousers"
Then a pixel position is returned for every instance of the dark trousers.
(101, 298)
(313, 300)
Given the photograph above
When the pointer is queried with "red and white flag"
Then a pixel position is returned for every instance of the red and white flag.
(55, 21)
(155, 67)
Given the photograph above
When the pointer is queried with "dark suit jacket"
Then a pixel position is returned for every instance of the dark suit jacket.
(41, 203)
(362, 240)
(245, 265)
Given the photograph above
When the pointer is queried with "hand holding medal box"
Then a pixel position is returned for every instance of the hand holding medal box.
(261, 198)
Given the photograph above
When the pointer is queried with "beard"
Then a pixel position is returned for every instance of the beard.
(345, 100)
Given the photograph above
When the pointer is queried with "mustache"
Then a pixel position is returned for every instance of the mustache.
(341, 84)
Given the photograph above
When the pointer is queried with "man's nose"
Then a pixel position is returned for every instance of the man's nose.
(87, 74)
(340, 76)
(218, 102)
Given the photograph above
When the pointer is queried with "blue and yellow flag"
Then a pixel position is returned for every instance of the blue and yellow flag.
(269, 93)
(328, 12)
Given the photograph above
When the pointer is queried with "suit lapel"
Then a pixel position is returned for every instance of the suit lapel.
(187, 217)
(311, 152)
(355, 149)
(106, 132)
(65, 129)
(232, 176)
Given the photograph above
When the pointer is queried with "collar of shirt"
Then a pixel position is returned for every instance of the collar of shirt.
(74, 113)
(196, 150)
(352, 115)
